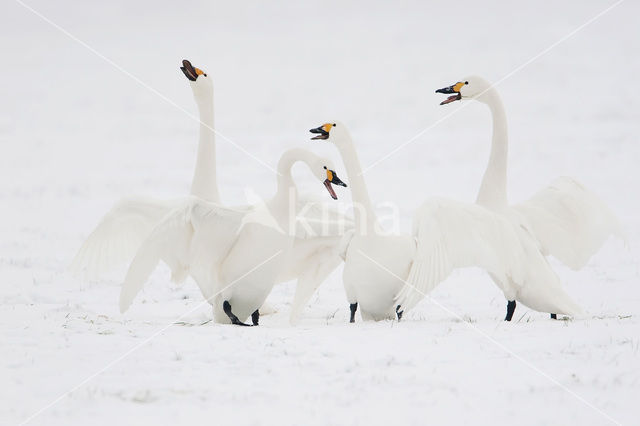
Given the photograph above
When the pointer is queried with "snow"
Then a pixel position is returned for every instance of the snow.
(77, 133)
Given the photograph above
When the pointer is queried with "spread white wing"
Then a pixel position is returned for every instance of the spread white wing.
(191, 239)
(455, 235)
(570, 222)
(118, 236)
(319, 231)
(314, 259)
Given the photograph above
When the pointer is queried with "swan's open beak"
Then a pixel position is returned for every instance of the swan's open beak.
(332, 178)
(190, 71)
(323, 131)
(451, 89)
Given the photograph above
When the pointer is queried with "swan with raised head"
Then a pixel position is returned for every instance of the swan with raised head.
(385, 275)
(565, 219)
(236, 255)
(121, 231)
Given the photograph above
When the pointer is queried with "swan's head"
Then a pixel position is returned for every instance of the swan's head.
(324, 171)
(200, 82)
(468, 88)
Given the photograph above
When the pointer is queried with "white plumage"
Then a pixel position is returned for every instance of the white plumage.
(237, 255)
(121, 232)
(569, 221)
(384, 274)
(453, 235)
(564, 220)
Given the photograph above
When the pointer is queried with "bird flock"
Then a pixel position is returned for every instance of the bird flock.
(237, 254)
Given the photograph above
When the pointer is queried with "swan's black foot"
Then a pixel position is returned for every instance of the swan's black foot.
(511, 308)
(399, 313)
(226, 306)
(554, 316)
(255, 317)
(353, 307)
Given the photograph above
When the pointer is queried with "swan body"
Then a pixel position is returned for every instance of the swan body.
(386, 275)
(564, 220)
(374, 286)
(235, 255)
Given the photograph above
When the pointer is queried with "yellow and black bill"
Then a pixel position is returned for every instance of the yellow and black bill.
(332, 178)
(191, 72)
(323, 131)
(454, 90)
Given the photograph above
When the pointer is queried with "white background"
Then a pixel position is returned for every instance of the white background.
(76, 134)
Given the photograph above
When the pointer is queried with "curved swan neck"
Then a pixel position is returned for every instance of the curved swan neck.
(493, 190)
(205, 182)
(286, 186)
(365, 217)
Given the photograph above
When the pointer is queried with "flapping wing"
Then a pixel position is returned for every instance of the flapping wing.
(118, 236)
(320, 257)
(190, 237)
(570, 222)
(456, 235)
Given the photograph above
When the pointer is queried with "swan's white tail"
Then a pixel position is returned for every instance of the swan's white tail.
(556, 301)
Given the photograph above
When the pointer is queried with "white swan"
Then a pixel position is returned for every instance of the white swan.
(235, 255)
(565, 219)
(446, 235)
(121, 231)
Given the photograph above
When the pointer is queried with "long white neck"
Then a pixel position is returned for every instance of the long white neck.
(205, 182)
(493, 190)
(366, 220)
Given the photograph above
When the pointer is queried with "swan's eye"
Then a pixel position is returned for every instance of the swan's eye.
(334, 124)
(324, 167)
(466, 82)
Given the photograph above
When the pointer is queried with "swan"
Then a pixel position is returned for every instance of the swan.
(565, 219)
(236, 255)
(385, 275)
(121, 231)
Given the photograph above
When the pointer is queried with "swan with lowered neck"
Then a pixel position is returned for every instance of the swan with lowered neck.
(565, 219)
(386, 275)
(235, 255)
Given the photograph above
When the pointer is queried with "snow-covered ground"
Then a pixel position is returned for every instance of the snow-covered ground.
(77, 133)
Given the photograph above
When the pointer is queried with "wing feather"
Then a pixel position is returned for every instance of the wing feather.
(570, 222)
(195, 223)
(313, 270)
(118, 236)
(454, 235)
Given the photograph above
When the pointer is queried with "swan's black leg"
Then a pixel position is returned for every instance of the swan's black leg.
(354, 308)
(554, 316)
(399, 313)
(511, 308)
(226, 306)
(255, 317)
